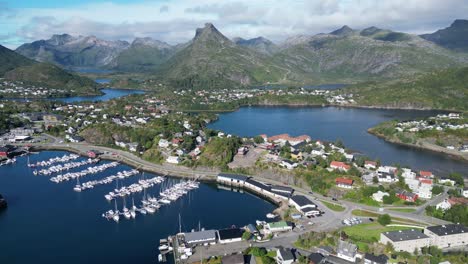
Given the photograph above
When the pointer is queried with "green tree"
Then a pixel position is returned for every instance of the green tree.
(258, 140)
(437, 189)
(384, 219)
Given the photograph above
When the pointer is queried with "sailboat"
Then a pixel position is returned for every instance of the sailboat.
(77, 187)
(133, 210)
(116, 216)
(126, 212)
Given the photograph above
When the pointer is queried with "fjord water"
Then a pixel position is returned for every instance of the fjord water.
(347, 124)
(50, 223)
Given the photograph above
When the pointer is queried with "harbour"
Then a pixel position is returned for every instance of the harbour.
(78, 233)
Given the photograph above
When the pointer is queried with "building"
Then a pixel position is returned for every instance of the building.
(338, 165)
(284, 256)
(4, 151)
(283, 191)
(232, 179)
(281, 226)
(378, 196)
(406, 240)
(448, 236)
(315, 258)
(447, 181)
(444, 205)
(163, 143)
(465, 192)
(370, 165)
(233, 259)
(200, 238)
(344, 183)
(426, 174)
(288, 164)
(346, 251)
(373, 259)
(335, 260)
(283, 138)
(296, 154)
(230, 235)
(407, 196)
(173, 159)
(304, 205)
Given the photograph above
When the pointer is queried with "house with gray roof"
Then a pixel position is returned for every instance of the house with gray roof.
(406, 240)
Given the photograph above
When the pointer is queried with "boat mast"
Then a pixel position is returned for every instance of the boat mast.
(180, 225)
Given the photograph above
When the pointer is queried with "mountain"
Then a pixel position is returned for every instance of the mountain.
(15, 67)
(344, 31)
(440, 89)
(454, 37)
(69, 51)
(259, 44)
(349, 55)
(212, 60)
(144, 54)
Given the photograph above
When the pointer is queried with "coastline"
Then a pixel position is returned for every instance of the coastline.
(433, 148)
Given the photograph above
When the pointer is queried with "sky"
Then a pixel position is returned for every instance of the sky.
(175, 21)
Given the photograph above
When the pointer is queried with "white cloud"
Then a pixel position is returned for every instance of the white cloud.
(175, 21)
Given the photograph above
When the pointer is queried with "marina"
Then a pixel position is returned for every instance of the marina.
(134, 240)
(109, 179)
(90, 170)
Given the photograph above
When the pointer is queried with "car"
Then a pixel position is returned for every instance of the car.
(334, 199)
(371, 219)
(311, 193)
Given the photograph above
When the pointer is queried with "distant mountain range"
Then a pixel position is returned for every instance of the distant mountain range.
(212, 60)
(15, 67)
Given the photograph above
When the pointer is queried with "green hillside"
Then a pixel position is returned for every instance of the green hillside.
(443, 89)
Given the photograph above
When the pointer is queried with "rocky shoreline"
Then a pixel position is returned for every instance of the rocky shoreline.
(3, 203)
(430, 147)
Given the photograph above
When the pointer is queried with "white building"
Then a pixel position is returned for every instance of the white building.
(163, 143)
(346, 251)
(448, 236)
(173, 159)
(304, 205)
(378, 196)
(406, 240)
(284, 256)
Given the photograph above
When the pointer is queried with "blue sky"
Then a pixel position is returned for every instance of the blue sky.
(175, 21)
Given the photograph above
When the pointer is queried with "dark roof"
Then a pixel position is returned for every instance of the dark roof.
(451, 229)
(206, 235)
(403, 235)
(377, 259)
(258, 184)
(233, 259)
(309, 209)
(234, 176)
(252, 228)
(301, 200)
(282, 188)
(315, 258)
(230, 233)
(3, 149)
(286, 254)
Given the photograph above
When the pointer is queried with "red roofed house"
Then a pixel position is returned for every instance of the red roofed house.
(344, 183)
(176, 141)
(425, 181)
(339, 165)
(426, 174)
(407, 196)
(368, 164)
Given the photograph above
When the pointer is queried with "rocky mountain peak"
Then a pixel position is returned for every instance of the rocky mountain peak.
(209, 32)
(343, 31)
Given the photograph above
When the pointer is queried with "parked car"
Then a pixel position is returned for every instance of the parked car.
(371, 219)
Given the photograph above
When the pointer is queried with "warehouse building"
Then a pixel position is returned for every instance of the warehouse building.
(200, 237)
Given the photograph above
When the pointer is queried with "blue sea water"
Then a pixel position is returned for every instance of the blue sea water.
(347, 124)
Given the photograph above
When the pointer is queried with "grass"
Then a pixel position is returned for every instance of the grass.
(369, 232)
(404, 210)
(334, 207)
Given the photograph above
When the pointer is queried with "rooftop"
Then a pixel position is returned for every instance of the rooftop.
(403, 235)
(451, 229)
(233, 259)
(200, 236)
(301, 200)
(286, 254)
(278, 224)
(346, 248)
(230, 233)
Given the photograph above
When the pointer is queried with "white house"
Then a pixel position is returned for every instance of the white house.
(378, 196)
(173, 159)
(444, 205)
(304, 205)
(284, 256)
(346, 251)
(288, 164)
(163, 143)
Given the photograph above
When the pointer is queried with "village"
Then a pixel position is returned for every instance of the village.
(18, 89)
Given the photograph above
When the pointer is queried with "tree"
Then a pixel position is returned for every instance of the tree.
(258, 140)
(375, 180)
(437, 189)
(457, 177)
(384, 219)
(389, 248)
(246, 235)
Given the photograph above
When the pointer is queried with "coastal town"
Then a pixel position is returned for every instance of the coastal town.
(318, 186)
